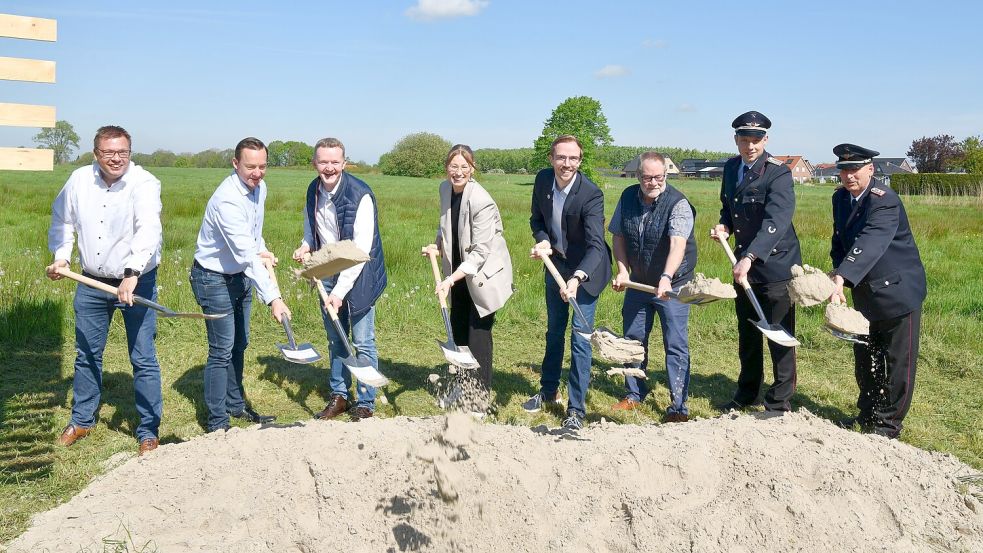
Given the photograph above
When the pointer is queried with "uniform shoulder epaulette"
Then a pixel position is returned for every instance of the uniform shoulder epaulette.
(877, 191)
(774, 161)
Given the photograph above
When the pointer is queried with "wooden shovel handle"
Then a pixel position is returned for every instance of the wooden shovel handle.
(733, 262)
(332, 312)
(432, 254)
(269, 267)
(545, 256)
(642, 287)
(90, 282)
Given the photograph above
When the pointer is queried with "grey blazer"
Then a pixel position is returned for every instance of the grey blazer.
(481, 244)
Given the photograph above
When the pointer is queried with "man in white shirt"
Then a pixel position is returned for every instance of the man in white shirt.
(113, 206)
(228, 265)
(342, 207)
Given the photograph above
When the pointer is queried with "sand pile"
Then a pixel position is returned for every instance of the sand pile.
(615, 349)
(809, 286)
(846, 319)
(332, 259)
(703, 287)
(736, 483)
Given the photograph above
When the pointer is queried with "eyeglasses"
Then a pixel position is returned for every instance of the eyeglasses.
(110, 154)
(461, 168)
(563, 159)
(653, 178)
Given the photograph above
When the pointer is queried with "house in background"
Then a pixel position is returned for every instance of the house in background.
(800, 167)
(826, 172)
(630, 169)
(884, 167)
(702, 168)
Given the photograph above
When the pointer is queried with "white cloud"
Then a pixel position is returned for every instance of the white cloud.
(649, 43)
(686, 108)
(612, 71)
(429, 10)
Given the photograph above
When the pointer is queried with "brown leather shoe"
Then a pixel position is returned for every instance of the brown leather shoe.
(337, 406)
(361, 413)
(626, 404)
(148, 445)
(676, 417)
(72, 434)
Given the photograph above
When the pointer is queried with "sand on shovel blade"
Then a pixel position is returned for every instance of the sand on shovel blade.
(333, 259)
(701, 286)
(846, 319)
(809, 286)
(615, 349)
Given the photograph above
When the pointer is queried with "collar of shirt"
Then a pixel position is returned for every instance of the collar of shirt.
(740, 170)
(101, 182)
(861, 196)
(562, 192)
(244, 188)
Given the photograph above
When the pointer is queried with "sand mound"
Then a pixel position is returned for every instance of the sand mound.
(702, 286)
(332, 259)
(736, 483)
(845, 318)
(809, 286)
(615, 349)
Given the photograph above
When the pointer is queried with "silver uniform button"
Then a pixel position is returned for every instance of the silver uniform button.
(886, 283)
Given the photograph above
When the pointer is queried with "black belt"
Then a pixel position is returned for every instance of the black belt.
(105, 280)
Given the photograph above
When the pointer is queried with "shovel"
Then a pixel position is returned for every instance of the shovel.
(544, 254)
(459, 356)
(360, 368)
(164, 312)
(775, 333)
(697, 299)
(846, 336)
(292, 351)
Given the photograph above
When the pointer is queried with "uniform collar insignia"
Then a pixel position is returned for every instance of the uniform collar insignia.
(877, 191)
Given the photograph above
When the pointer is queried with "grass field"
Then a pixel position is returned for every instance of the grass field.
(37, 329)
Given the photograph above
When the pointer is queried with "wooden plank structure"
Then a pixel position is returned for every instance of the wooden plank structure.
(38, 71)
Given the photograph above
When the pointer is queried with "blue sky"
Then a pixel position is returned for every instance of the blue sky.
(187, 76)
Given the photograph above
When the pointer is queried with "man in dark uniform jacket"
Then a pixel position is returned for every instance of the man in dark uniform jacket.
(568, 218)
(874, 253)
(757, 206)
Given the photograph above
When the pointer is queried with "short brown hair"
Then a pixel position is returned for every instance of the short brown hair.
(462, 150)
(249, 143)
(649, 156)
(330, 143)
(566, 138)
(108, 132)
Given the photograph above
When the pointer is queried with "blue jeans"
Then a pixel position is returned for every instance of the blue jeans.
(362, 331)
(93, 314)
(557, 316)
(638, 313)
(227, 339)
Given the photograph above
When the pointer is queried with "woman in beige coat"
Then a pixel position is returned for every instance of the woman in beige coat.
(475, 259)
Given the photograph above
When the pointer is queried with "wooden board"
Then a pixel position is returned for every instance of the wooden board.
(26, 115)
(20, 69)
(26, 159)
(32, 28)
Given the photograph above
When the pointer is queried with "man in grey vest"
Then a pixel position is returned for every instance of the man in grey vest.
(654, 244)
(342, 207)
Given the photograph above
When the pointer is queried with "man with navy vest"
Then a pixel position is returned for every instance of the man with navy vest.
(757, 207)
(342, 207)
(568, 218)
(654, 244)
(874, 253)
(228, 265)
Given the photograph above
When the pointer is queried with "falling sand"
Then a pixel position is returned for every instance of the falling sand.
(735, 483)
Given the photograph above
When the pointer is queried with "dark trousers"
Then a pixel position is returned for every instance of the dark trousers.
(885, 372)
(472, 330)
(778, 309)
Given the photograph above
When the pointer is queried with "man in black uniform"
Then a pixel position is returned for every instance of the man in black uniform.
(874, 253)
(757, 206)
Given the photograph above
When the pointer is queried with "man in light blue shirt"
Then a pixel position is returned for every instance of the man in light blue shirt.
(228, 265)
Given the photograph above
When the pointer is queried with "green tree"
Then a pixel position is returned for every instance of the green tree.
(416, 155)
(61, 138)
(278, 154)
(298, 153)
(582, 117)
(972, 158)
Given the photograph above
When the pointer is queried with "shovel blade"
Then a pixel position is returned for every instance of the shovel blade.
(777, 334)
(364, 372)
(848, 336)
(698, 299)
(303, 353)
(459, 356)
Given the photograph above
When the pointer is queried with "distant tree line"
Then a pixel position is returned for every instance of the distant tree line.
(282, 154)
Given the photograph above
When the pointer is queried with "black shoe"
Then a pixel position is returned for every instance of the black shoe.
(847, 423)
(737, 405)
(252, 416)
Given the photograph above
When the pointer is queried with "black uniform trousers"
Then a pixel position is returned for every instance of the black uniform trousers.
(472, 330)
(778, 309)
(885, 372)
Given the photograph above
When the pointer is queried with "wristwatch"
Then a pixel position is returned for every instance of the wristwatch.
(579, 278)
(750, 256)
(666, 275)
(128, 272)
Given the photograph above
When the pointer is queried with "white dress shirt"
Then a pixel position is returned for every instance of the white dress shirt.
(118, 226)
(231, 235)
(363, 233)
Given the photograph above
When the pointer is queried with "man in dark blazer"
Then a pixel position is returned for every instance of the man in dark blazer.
(757, 205)
(874, 253)
(568, 218)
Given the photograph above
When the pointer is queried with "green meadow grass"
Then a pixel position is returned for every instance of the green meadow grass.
(37, 340)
